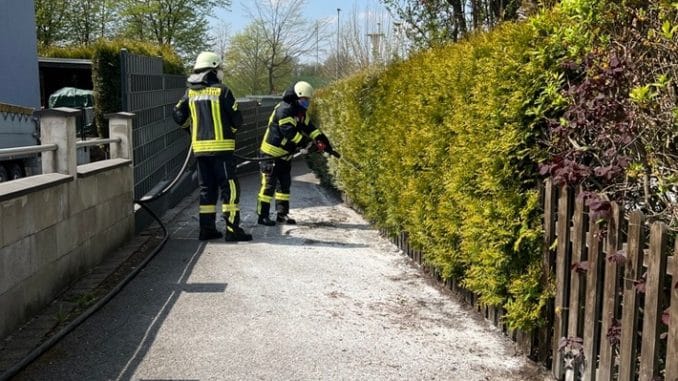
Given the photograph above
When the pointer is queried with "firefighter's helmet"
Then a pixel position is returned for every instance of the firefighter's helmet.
(303, 89)
(207, 60)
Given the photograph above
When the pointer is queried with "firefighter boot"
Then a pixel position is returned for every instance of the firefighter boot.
(208, 227)
(282, 208)
(263, 215)
(237, 234)
(285, 219)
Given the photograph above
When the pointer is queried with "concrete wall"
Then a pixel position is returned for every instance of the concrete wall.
(55, 227)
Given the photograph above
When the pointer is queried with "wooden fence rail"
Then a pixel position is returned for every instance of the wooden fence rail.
(616, 290)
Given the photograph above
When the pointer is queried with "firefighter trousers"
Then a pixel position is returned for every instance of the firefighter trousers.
(216, 175)
(276, 179)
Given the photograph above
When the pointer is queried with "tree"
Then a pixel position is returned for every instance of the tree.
(181, 24)
(288, 36)
(244, 68)
(50, 20)
(430, 22)
(89, 20)
(220, 37)
(75, 21)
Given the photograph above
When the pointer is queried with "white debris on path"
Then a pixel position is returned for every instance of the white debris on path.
(326, 299)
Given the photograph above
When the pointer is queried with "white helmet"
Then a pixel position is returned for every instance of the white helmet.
(207, 60)
(303, 89)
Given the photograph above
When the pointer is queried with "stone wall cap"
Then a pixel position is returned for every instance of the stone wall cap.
(89, 169)
(122, 115)
(25, 185)
(58, 111)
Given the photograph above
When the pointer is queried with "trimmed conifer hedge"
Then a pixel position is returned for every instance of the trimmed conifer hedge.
(445, 146)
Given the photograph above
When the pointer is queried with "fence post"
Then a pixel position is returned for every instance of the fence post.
(610, 293)
(550, 204)
(594, 288)
(578, 280)
(672, 340)
(120, 126)
(633, 271)
(656, 270)
(57, 126)
(563, 261)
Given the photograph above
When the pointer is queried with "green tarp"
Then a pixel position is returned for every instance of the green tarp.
(71, 97)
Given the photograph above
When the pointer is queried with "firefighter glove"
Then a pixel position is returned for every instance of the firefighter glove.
(323, 144)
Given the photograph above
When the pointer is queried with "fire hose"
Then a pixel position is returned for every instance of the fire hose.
(142, 202)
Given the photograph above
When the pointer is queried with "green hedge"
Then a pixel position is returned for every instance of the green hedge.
(445, 147)
(105, 56)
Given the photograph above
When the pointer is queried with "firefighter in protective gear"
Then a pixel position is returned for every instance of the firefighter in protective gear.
(214, 119)
(289, 128)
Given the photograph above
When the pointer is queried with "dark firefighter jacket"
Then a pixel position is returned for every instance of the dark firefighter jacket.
(213, 113)
(288, 128)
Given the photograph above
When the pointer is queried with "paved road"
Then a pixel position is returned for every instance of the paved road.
(326, 299)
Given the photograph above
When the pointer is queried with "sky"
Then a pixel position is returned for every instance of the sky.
(326, 10)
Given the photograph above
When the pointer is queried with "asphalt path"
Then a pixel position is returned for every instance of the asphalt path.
(326, 299)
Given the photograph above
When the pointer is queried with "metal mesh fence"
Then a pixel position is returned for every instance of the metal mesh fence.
(160, 146)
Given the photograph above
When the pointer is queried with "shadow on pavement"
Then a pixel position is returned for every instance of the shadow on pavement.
(113, 342)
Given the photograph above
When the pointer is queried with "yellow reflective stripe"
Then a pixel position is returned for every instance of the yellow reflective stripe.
(226, 208)
(282, 196)
(216, 116)
(289, 120)
(261, 195)
(307, 119)
(194, 121)
(235, 106)
(206, 91)
(214, 145)
(231, 207)
(297, 138)
(315, 134)
(234, 191)
(272, 150)
(208, 209)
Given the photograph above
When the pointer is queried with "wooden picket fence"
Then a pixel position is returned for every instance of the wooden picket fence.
(611, 293)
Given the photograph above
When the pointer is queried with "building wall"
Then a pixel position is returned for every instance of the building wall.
(19, 58)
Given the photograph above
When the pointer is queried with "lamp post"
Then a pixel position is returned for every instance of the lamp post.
(338, 48)
(375, 39)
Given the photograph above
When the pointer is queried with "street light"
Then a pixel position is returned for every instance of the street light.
(338, 49)
(375, 39)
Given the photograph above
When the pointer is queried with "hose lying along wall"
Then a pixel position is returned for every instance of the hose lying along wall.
(37, 352)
